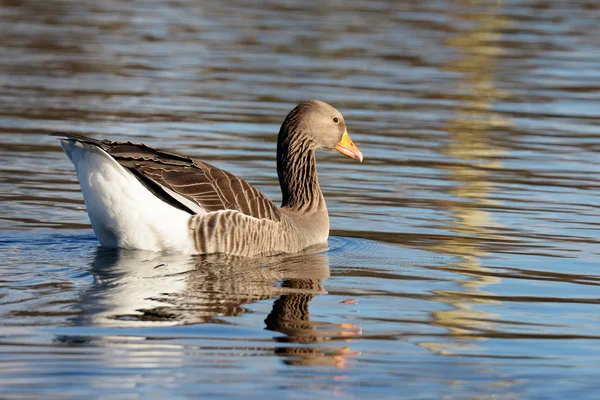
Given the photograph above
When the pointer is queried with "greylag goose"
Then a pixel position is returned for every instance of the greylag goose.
(140, 197)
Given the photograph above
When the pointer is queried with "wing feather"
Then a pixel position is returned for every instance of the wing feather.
(208, 187)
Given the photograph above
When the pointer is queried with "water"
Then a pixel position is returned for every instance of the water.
(464, 258)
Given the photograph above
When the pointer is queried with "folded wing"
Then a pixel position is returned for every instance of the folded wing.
(190, 184)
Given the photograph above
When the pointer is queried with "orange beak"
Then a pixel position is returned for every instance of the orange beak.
(347, 147)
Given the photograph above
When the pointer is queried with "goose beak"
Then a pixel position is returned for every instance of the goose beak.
(347, 147)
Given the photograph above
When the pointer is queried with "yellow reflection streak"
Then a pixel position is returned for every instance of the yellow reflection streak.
(475, 153)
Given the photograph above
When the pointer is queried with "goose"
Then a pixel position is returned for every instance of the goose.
(140, 197)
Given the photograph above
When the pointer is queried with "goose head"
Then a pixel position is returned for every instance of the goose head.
(316, 125)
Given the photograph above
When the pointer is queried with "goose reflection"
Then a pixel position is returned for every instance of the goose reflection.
(137, 288)
(290, 316)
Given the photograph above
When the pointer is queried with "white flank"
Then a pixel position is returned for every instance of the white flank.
(122, 211)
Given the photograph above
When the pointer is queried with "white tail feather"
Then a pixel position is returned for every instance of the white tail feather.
(123, 212)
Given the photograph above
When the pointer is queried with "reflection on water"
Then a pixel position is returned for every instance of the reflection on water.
(463, 258)
(138, 288)
(474, 149)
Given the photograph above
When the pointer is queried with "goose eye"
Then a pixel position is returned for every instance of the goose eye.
(336, 120)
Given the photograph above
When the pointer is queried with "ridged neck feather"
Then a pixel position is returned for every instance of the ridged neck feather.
(297, 169)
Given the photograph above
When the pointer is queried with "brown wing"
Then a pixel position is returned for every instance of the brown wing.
(210, 187)
(185, 182)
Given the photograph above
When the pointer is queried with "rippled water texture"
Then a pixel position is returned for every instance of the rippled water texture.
(464, 260)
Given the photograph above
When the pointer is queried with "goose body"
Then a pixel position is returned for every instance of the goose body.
(140, 197)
